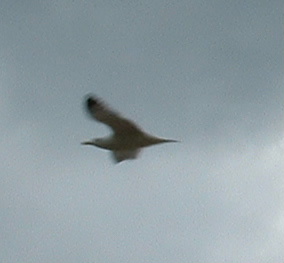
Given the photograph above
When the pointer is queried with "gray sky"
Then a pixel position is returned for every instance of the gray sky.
(208, 73)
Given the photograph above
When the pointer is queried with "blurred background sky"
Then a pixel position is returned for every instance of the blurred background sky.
(208, 73)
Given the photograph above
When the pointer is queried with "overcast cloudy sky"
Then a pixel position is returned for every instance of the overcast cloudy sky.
(208, 73)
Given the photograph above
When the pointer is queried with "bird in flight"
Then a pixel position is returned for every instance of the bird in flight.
(127, 138)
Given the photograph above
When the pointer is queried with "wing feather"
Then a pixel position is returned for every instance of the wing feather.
(119, 156)
(102, 113)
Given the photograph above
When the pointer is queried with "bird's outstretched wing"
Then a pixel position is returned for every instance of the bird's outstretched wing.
(102, 113)
(119, 156)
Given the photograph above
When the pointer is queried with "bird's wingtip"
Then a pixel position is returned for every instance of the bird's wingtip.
(90, 97)
(91, 101)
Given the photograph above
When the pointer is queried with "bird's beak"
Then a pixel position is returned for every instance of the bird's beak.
(86, 143)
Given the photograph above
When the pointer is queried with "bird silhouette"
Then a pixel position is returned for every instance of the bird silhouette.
(127, 138)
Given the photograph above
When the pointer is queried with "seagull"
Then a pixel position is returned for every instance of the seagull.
(127, 138)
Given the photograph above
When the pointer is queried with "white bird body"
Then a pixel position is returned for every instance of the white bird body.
(127, 139)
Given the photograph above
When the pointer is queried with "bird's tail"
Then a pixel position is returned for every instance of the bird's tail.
(152, 140)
